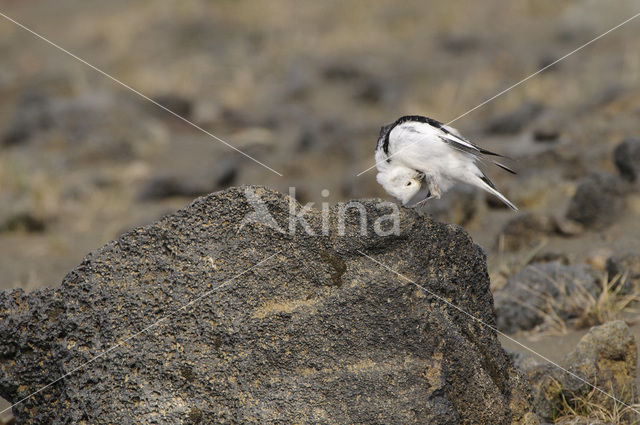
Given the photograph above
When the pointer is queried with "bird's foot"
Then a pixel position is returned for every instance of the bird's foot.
(424, 201)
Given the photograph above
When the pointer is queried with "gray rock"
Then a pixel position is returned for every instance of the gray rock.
(317, 333)
(166, 185)
(604, 357)
(24, 221)
(513, 122)
(32, 114)
(627, 267)
(525, 230)
(540, 294)
(627, 158)
(177, 103)
(598, 201)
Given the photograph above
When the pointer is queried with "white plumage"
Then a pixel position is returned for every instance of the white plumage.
(419, 158)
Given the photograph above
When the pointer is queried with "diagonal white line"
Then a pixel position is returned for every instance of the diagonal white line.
(139, 93)
(545, 68)
(493, 328)
(154, 324)
(518, 83)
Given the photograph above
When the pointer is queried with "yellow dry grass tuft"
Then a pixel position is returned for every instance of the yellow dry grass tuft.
(591, 405)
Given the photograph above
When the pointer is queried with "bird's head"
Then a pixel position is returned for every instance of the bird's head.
(401, 182)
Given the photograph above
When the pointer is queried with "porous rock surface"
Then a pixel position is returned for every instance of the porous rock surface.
(314, 333)
(605, 357)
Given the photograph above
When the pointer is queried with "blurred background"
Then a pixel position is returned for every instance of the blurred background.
(304, 88)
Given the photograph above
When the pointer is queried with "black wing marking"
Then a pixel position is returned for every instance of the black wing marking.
(488, 182)
(383, 138)
(504, 167)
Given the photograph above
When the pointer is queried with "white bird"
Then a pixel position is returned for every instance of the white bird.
(419, 158)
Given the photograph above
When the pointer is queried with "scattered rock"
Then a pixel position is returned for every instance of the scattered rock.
(459, 44)
(627, 158)
(567, 227)
(341, 71)
(604, 96)
(175, 103)
(93, 127)
(513, 122)
(315, 333)
(32, 114)
(25, 221)
(627, 267)
(164, 186)
(541, 294)
(604, 357)
(598, 201)
(547, 128)
(550, 257)
(525, 230)
(379, 90)
(598, 258)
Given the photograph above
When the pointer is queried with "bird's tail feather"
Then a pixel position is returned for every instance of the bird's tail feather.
(484, 183)
(504, 167)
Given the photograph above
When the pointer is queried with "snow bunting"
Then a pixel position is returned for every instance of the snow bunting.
(419, 158)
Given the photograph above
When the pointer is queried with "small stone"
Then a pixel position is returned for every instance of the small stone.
(598, 258)
(459, 44)
(626, 268)
(175, 103)
(551, 257)
(547, 128)
(627, 158)
(513, 122)
(598, 201)
(173, 185)
(540, 293)
(567, 227)
(33, 114)
(26, 222)
(606, 356)
(526, 229)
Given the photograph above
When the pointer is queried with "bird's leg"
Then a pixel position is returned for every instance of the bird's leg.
(434, 191)
(424, 201)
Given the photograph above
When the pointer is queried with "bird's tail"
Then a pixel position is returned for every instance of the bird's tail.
(483, 182)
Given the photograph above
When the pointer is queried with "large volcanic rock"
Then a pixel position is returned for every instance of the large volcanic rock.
(222, 319)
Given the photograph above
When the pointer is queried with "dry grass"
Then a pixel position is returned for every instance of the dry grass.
(592, 405)
(588, 310)
(610, 305)
(582, 307)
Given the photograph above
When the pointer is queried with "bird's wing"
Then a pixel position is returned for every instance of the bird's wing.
(454, 139)
(453, 136)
